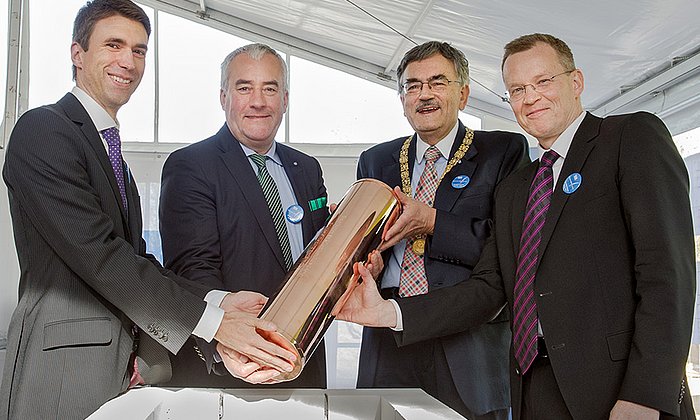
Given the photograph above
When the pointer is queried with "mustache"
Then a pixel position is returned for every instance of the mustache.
(427, 104)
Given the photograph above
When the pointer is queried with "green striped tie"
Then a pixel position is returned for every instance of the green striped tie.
(272, 196)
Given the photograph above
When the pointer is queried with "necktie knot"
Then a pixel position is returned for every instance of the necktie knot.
(432, 154)
(258, 160)
(111, 136)
(549, 158)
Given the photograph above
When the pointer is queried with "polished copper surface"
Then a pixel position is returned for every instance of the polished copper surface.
(322, 278)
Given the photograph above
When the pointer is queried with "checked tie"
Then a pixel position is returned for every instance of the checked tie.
(114, 151)
(413, 280)
(272, 196)
(524, 304)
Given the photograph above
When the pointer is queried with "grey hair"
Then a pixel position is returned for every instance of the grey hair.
(429, 49)
(256, 52)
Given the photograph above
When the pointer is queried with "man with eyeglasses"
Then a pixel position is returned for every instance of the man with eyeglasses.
(444, 175)
(592, 251)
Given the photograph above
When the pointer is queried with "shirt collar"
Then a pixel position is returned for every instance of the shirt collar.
(562, 144)
(444, 145)
(100, 118)
(271, 154)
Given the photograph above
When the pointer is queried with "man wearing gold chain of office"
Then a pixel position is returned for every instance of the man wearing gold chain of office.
(445, 175)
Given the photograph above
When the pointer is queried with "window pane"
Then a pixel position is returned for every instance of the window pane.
(688, 145)
(51, 27)
(136, 117)
(329, 106)
(50, 75)
(189, 76)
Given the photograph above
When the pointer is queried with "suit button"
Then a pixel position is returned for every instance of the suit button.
(517, 371)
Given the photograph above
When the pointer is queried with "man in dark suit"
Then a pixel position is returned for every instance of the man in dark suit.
(96, 314)
(217, 227)
(610, 282)
(439, 236)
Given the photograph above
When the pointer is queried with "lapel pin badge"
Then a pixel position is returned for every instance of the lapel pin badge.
(460, 182)
(294, 213)
(572, 183)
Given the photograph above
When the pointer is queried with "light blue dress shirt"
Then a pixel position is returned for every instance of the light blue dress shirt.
(287, 198)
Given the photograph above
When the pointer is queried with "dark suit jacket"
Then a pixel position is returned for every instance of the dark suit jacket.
(615, 284)
(218, 233)
(85, 277)
(476, 358)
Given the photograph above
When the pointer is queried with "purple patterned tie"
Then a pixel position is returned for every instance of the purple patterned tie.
(524, 305)
(114, 151)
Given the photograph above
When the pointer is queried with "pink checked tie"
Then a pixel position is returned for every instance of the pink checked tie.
(114, 151)
(524, 304)
(413, 280)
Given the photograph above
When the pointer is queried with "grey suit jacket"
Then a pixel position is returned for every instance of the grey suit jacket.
(86, 280)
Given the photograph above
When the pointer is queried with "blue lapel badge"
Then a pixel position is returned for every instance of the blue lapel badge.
(572, 183)
(460, 182)
(294, 213)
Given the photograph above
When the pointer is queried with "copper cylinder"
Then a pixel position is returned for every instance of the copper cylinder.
(318, 284)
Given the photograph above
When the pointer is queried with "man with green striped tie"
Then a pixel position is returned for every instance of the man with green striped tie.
(238, 208)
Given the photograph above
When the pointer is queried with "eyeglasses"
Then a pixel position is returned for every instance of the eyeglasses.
(516, 93)
(437, 85)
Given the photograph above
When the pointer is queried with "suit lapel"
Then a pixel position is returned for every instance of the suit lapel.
(581, 146)
(391, 173)
(446, 196)
(75, 111)
(239, 167)
(134, 214)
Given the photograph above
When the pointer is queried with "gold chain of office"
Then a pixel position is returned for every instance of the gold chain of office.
(419, 241)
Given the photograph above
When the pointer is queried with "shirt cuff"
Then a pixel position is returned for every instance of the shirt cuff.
(215, 297)
(399, 318)
(209, 322)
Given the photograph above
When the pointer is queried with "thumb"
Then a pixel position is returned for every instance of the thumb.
(364, 272)
(403, 198)
(264, 325)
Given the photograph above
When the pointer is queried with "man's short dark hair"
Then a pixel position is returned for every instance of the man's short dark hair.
(429, 49)
(527, 42)
(96, 10)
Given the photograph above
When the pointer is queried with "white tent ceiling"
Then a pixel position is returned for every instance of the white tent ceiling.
(635, 54)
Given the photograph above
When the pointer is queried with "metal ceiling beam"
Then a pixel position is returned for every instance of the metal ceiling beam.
(651, 87)
(301, 48)
(16, 81)
(276, 39)
(477, 107)
(399, 51)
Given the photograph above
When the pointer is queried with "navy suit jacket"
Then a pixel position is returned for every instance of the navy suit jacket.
(477, 358)
(615, 283)
(217, 230)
